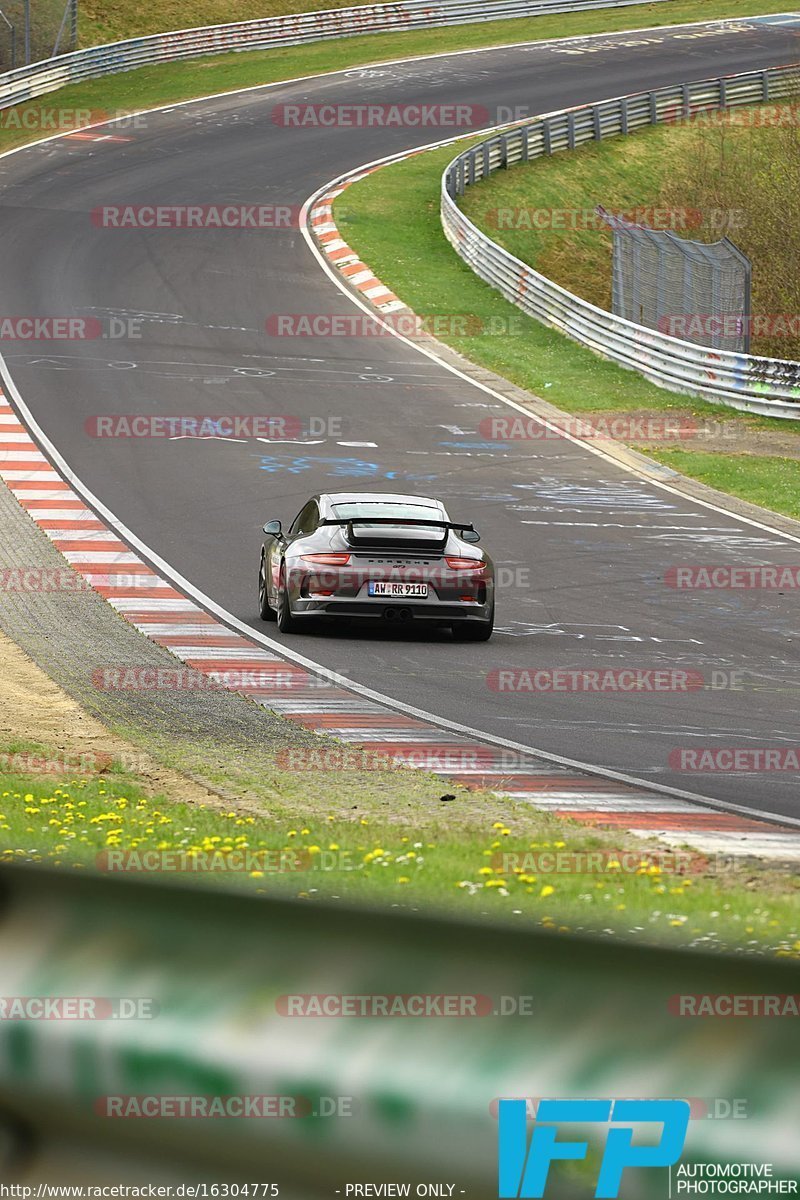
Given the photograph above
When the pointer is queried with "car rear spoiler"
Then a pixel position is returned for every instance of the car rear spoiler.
(424, 521)
(412, 522)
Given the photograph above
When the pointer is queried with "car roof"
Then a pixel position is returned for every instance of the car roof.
(330, 499)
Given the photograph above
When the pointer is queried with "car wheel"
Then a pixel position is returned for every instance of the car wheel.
(286, 622)
(473, 631)
(265, 609)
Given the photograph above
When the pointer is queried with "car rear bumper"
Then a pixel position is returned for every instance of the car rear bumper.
(389, 610)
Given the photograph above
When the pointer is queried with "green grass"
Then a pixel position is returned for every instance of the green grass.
(704, 181)
(107, 20)
(772, 482)
(443, 862)
(392, 219)
(149, 87)
(620, 173)
(113, 20)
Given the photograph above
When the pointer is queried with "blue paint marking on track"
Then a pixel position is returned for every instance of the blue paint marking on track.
(339, 468)
(353, 467)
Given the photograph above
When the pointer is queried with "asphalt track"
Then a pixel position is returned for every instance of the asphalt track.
(586, 544)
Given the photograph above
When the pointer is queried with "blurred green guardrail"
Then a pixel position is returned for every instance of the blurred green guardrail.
(413, 1095)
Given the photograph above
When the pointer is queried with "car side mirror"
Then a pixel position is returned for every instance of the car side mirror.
(471, 535)
(273, 529)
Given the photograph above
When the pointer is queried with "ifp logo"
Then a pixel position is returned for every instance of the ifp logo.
(523, 1170)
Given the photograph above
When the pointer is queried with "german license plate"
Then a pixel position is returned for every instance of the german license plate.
(398, 590)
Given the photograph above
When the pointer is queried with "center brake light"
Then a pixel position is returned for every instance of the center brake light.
(327, 560)
(464, 564)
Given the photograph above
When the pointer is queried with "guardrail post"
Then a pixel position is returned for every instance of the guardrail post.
(13, 40)
(597, 123)
(653, 98)
(571, 131)
(504, 151)
(723, 93)
(765, 85)
(623, 114)
(546, 137)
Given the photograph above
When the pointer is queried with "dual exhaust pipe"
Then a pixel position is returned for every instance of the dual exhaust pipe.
(397, 614)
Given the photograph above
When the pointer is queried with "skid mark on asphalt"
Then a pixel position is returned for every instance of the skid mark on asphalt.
(599, 494)
(583, 632)
(306, 370)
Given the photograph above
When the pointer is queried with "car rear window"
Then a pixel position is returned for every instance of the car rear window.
(366, 509)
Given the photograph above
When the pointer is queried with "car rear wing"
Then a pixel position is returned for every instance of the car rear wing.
(398, 522)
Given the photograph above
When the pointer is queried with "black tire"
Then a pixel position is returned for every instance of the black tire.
(265, 609)
(286, 622)
(473, 631)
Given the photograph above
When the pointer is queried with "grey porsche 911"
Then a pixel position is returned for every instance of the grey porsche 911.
(378, 556)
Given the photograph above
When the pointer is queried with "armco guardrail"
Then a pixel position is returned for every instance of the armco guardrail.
(220, 974)
(293, 30)
(762, 385)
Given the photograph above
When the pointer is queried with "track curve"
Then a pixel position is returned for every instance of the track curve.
(596, 540)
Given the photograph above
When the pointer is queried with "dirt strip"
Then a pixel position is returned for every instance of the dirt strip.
(35, 712)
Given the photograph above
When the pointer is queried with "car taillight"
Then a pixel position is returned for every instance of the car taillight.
(327, 560)
(465, 564)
